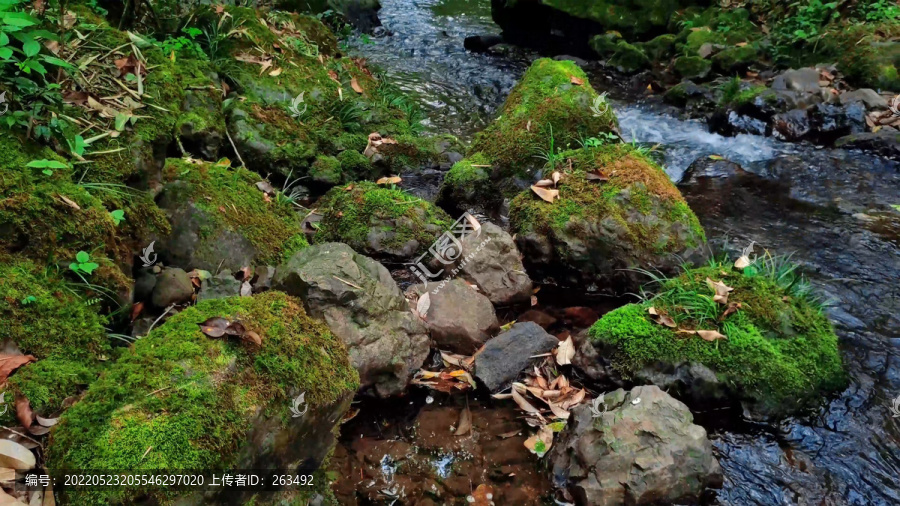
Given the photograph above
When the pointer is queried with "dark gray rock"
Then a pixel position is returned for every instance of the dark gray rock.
(885, 142)
(803, 80)
(481, 43)
(143, 286)
(491, 260)
(508, 354)
(219, 286)
(262, 278)
(707, 168)
(458, 318)
(792, 125)
(829, 122)
(173, 286)
(867, 96)
(363, 306)
(640, 447)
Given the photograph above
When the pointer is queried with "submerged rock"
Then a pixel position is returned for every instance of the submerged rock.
(363, 306)
(617, 211)
(178, 399)
(379, 221)
(506, 355)
(885, 142)
(642, 447)
(458, 318)
(778, 354)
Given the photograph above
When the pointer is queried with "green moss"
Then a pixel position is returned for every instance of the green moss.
(677, 95)
(354, 164)
(631, 17)
(582, 201)
(229, 196)
(350, 215)
(780, 350)
(697, 38)
(692, 67)
(43, 317)
(326, 170)
(735, 58)
(659, 48)
(546, 106)
(628, 58)
(188, 398)
(469, 182)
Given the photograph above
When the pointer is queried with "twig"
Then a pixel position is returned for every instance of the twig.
(160, 318)
(158, 390)
(238, 153)
(146, 452)
(347, 282)
(22, 435)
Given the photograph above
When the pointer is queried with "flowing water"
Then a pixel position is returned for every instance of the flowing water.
(831, 209)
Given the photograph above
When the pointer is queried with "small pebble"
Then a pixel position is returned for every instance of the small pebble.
(636, 401)
(429, 399)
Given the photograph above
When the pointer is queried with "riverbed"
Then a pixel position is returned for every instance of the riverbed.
(830, 209)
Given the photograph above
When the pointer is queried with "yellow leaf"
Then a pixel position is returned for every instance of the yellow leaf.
(545, 193)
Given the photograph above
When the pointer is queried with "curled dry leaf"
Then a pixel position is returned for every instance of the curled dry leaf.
(24, 413)
(741, 262)
(721, 290)
(16, 456)
(355, 85)
(69, 202)
(732, 308)
(545, 193)
(214, 327)
(235, 329)
(423, 305)
(253, 337)
(265, 186)
(389, 180)
(453, 359)
(661, 317)
(524, 404)
(46, 422)
(565, 353)
(9, 363)
(545, 183)
(711, 335)
(464, 425)
(555, 177)
(576, 81)
(596, 175)
(277, 72)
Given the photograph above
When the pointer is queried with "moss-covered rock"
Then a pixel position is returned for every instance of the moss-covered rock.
(220, 219)
(780, 353)
(659, 48)
(735, 59)
(692, 67)
(181, 400)
(326, 170)
(48, 217)
(468, 184)
(630, 216)
(44, 317)
(628, 58)
(548, 109)
(379, 221)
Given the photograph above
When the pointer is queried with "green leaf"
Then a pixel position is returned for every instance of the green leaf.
(47, 172)
(121, 120)
(6, 53)
(52, 60)
(73, 266)
(118, 215)
(130, 78)
(19, 19)
(4, 39)
(82, 257)
(46, 164)
(88, 267)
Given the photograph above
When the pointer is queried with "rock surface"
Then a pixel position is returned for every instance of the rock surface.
(642, 449)
(458, 318)
(173, 286)
(509, 353)
(363, 306)
(220, 286)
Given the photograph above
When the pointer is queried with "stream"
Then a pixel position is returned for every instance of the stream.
(830, 209)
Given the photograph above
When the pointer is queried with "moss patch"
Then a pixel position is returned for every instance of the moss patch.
(692, 67)
(781, 350)
(350, 216)
(545, 107)
(189, 397)
(229, 196)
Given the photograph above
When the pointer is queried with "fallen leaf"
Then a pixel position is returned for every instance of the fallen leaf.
(265, 186)
(576, 81)
(556, 176)
(507, 435)
(46, 422)
(457, 360)
(544, 193)
(16, 456)
(423, 304)
(544, 183)
(596, 175)
(334, 77)
(69, 202)
(711, 335)
(9, 363)
(24, 413)
(540, 443)
(355, 85)
(389, 180)
(661, 317)
(136, 310)
(721, 290)
(252, 337)
(565, 352)
(482, 496)
(214, 327)
(732, 308)
(715, 157)
(524, 404)
(464, 425)
(741, 44)
(741, 262)
(277, 72)
(235, 329)
(558, 411)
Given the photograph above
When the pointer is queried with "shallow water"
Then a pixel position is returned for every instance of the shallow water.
(831, 209)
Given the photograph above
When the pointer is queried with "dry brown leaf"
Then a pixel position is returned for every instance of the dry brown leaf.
(711, 335)
(389, 180)
(355, 85)
(741, 262)
(576, 81)
(464, 425)
(9, 363)
(277, 72)
(721, 290)
(545, 193)
(540, 443)
(556, 176)
(574, 400)
(558, 411)
(524, 404)
(661, 317)
(253, 337)
(16, 456)
(566, 352)
(463, 361)
(423, 305)
(732, 308)
(334, 77)
(596, 175)
(214, 327)
(507, 435)
(24, 413)
(69, 202)
(544, 183)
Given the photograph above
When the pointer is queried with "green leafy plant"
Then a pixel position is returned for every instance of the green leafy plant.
(82, 264)
(118, 216)
(47, 165)
(31, 299)
(184, 45)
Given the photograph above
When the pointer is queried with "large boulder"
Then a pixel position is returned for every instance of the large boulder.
(378, 221)
(221, 220)
(552, 106)
(640, 447)
(458, 318)
(771, 349)
(363, 306)
(179, 399)
(617, 212)
(490, 260)
(505, 356)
